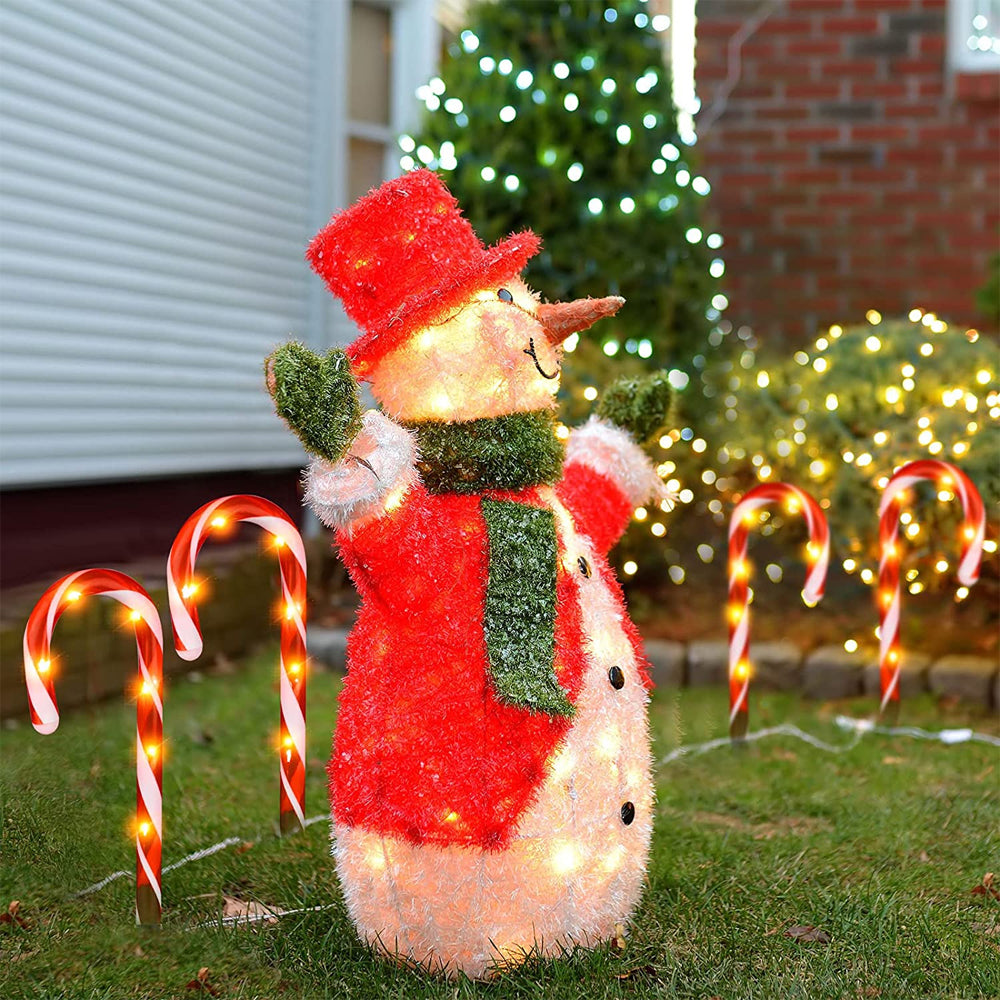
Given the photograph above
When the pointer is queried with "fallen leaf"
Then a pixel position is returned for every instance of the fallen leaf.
(250, 911)
(618, 944)
(639, 972)
(924, 856)
(202, 737)
(985, 888)
(223, 666)
(892, 760)
(12, 916)
(201, 983)
(806, 932)
(784, 755)
(244, 847)
(138, 952)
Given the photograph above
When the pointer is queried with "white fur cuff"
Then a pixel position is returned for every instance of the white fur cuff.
(611, 452)
(348, 492)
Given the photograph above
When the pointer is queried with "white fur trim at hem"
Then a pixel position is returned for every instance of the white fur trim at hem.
(611, 452)
(346, 493)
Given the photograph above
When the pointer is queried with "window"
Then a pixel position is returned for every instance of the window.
(368, 106)
(375, 55)
(974, 36)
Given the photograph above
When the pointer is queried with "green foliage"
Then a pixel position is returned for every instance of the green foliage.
(838, 420)
(519, 615)
(638, 405)
(611, 198)
(988, 297)
(316, 396)
(501, 453)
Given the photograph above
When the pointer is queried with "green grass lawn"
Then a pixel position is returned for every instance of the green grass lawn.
(879, 847)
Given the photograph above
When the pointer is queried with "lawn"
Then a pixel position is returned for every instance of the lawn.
(879, 848)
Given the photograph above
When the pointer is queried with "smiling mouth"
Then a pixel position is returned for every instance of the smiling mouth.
(530, 351)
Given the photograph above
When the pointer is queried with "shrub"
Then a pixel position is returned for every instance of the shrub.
(838, 419)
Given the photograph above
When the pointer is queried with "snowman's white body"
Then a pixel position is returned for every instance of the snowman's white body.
(574, 868)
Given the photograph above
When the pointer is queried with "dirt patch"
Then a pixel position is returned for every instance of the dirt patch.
(786, 826)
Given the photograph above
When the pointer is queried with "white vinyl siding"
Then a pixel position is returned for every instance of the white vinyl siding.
(164, 165)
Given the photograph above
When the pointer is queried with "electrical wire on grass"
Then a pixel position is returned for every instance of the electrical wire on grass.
(946, 736)
(194, 856)
(254, 918)
(856, 727)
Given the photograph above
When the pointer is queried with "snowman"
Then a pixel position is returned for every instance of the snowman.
(490, 777)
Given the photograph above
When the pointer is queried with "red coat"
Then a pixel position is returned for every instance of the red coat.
(423, 749)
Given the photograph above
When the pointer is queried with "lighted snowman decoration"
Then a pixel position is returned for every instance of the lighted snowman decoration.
(490, 778)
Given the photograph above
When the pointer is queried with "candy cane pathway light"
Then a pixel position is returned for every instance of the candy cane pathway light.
(744, 516)
(182, 588)
(39, 675)
(973, 531)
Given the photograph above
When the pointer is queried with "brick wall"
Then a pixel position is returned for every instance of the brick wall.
(850, 170)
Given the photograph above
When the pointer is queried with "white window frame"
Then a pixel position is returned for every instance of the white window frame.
(962, 59)
(415, 47)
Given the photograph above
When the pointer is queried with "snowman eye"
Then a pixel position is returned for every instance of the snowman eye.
(504, 296)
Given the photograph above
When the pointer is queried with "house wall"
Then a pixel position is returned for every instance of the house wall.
(164, 169)
(850, 169)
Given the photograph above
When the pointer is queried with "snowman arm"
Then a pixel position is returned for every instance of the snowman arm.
(371, 481)
(606, 476)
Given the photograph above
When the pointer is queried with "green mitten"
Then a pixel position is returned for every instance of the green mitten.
(637, 405)
(317, 396)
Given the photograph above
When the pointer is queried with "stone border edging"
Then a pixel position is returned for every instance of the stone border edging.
(825, 673)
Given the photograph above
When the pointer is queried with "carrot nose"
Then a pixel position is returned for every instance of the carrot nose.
(560, 319)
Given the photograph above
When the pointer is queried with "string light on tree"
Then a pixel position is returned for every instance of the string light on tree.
(616, 189)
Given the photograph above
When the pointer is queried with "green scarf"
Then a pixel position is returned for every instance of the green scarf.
(508, 453)
(493, 453)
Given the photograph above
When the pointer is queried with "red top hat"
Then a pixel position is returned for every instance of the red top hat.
(402, 256)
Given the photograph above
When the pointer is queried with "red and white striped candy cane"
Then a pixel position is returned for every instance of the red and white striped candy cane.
(182, 588)
(39, 675)
(973, 531)
(744, 516)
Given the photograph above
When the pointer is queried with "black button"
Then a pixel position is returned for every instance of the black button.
(628, 813)
(584, 566)
(617, 678)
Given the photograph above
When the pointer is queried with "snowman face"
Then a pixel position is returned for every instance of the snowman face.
(489, 358)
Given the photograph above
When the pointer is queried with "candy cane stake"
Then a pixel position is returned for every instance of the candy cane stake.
(973, 531)
(182, 587)
(743, 517)
(39, 676)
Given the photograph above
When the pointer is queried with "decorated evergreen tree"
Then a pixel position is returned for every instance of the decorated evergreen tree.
(556, 115)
